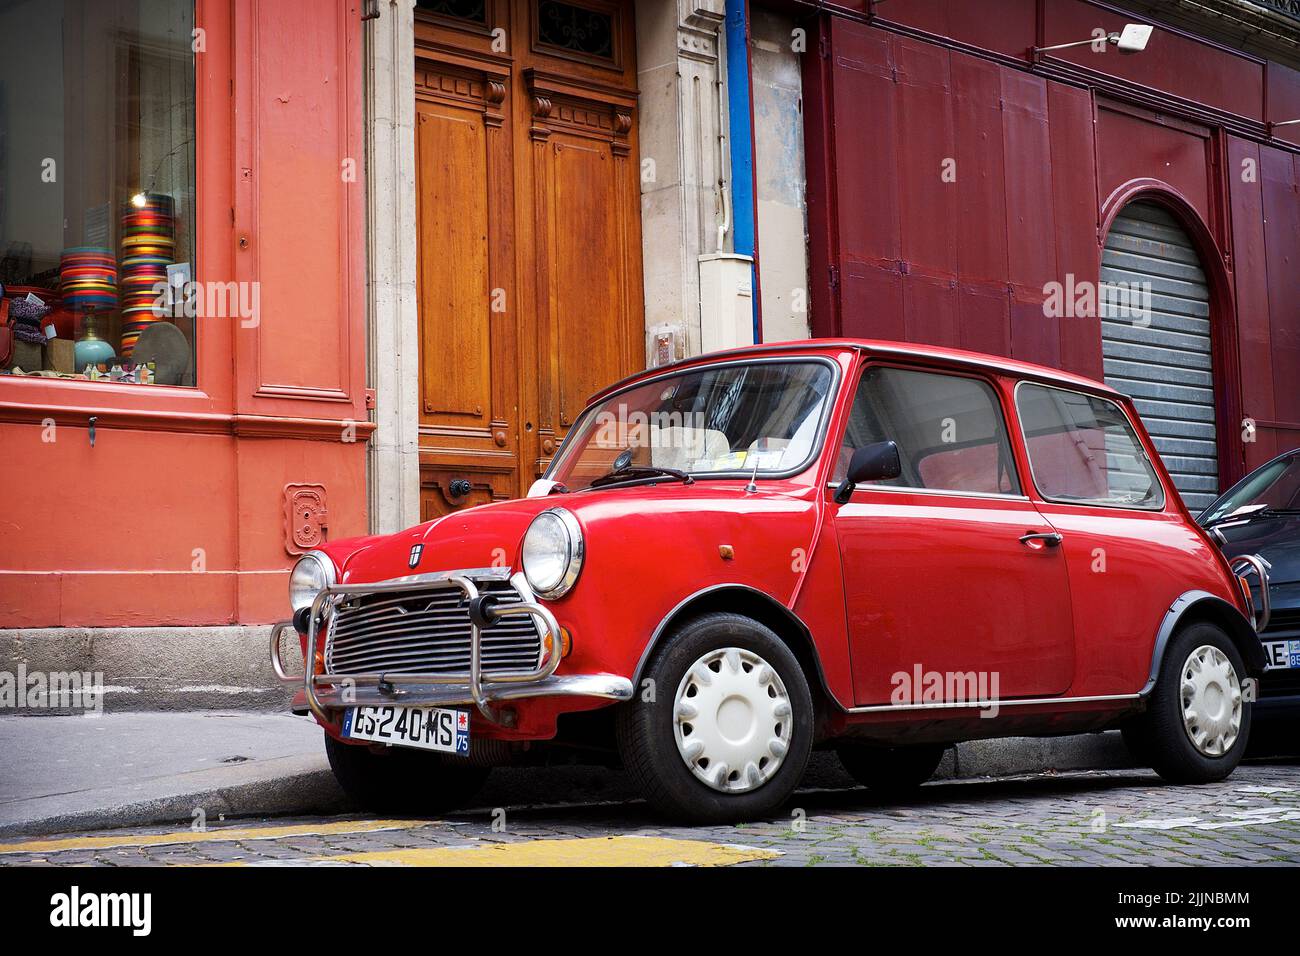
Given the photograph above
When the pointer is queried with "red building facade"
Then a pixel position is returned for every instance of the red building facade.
(1043, 153)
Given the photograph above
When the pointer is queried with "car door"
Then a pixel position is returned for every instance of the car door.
(951, 575)
(1129, 549)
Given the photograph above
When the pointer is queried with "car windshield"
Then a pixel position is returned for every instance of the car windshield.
(712, 421)
(1275, 487)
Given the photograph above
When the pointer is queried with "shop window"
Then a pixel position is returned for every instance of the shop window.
(97, 188)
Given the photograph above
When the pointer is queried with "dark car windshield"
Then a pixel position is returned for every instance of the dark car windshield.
(710, 421)
(1275, 487)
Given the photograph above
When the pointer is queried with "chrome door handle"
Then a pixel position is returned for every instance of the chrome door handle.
(1049, 538)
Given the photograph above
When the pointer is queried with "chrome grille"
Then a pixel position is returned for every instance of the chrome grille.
(426, 631)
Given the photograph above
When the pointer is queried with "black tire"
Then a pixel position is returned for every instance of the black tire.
(646, 730)
(1159, 735)
(891, 770)
(402, 780)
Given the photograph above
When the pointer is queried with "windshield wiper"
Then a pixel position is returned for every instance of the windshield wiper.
(1264, 512)
(641, 473)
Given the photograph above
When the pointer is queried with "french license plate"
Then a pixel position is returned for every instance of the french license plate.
(426, 728)
(1282, 654)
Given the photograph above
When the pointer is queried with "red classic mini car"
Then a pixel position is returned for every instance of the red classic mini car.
(874, 547)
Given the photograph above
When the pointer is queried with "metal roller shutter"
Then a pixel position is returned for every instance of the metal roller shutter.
(1165, 366)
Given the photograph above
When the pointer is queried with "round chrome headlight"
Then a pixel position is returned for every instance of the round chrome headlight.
(552, 552)
(313, 573)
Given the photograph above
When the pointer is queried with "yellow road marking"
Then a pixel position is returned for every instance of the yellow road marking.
(589, 851)
(217, 835)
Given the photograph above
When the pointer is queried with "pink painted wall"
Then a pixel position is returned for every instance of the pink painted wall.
(106, 536)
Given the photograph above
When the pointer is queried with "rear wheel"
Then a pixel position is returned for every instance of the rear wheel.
(727, 734)
(402, 780)
(1197, 721)
(891, 770)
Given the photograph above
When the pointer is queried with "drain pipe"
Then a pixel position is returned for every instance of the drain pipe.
(741, 141)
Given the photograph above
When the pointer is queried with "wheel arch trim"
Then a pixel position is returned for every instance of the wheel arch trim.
(1197, 603)
(683, 607)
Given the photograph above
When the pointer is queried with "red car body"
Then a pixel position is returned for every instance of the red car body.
(889, 581)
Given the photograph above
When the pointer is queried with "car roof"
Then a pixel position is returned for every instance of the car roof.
(960, 358)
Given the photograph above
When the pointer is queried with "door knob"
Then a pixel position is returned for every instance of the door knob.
(460, 488)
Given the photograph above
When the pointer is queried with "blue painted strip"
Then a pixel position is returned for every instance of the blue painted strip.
(742, 132)
(741, 140)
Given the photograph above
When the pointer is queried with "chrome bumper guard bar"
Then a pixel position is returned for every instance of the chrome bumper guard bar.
(1244, 564)
(330, 691)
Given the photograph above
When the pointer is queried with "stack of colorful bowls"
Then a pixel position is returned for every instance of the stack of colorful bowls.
(88, 281)
(148, 245)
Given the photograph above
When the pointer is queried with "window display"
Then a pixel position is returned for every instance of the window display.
(97, 151)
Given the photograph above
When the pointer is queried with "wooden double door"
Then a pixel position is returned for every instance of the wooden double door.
(529, 239)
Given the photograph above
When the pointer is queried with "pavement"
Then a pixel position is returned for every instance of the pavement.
(134, 769)
(133, 783)
(126, 769)
(1083, 818)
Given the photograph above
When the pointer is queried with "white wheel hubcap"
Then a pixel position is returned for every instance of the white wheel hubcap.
(1211, 694)
(732, 719)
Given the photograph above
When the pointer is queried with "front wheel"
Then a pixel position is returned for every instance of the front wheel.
(402, 780)
(1197, 721)
(727, 729)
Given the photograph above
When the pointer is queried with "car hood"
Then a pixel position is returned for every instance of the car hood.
(1276, 539)
(478, 537)
(490, 535)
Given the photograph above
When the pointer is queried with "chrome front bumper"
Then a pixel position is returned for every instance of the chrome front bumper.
(325, 692)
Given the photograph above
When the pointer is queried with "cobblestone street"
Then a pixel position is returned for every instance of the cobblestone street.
(1115, 818)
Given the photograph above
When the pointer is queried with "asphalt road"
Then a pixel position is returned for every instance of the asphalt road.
(1112, 818)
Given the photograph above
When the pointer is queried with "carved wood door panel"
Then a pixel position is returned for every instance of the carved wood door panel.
(468, 346)
(528, 213)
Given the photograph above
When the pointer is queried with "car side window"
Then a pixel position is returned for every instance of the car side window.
(1082, 450)
(949, 430)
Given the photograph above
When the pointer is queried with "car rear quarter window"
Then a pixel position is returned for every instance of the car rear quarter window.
(949, 429)
(1083, 450)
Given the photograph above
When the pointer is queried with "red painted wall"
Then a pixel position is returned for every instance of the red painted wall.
(1044, 159)
(107, 536)
(1271, 282)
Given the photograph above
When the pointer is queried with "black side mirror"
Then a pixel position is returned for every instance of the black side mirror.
(875, 462)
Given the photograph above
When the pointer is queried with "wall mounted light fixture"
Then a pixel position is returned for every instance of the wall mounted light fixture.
(1132, 39)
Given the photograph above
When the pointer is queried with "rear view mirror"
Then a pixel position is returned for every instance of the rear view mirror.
(875, 462)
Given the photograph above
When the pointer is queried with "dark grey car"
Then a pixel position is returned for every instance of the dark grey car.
(1261, 515)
